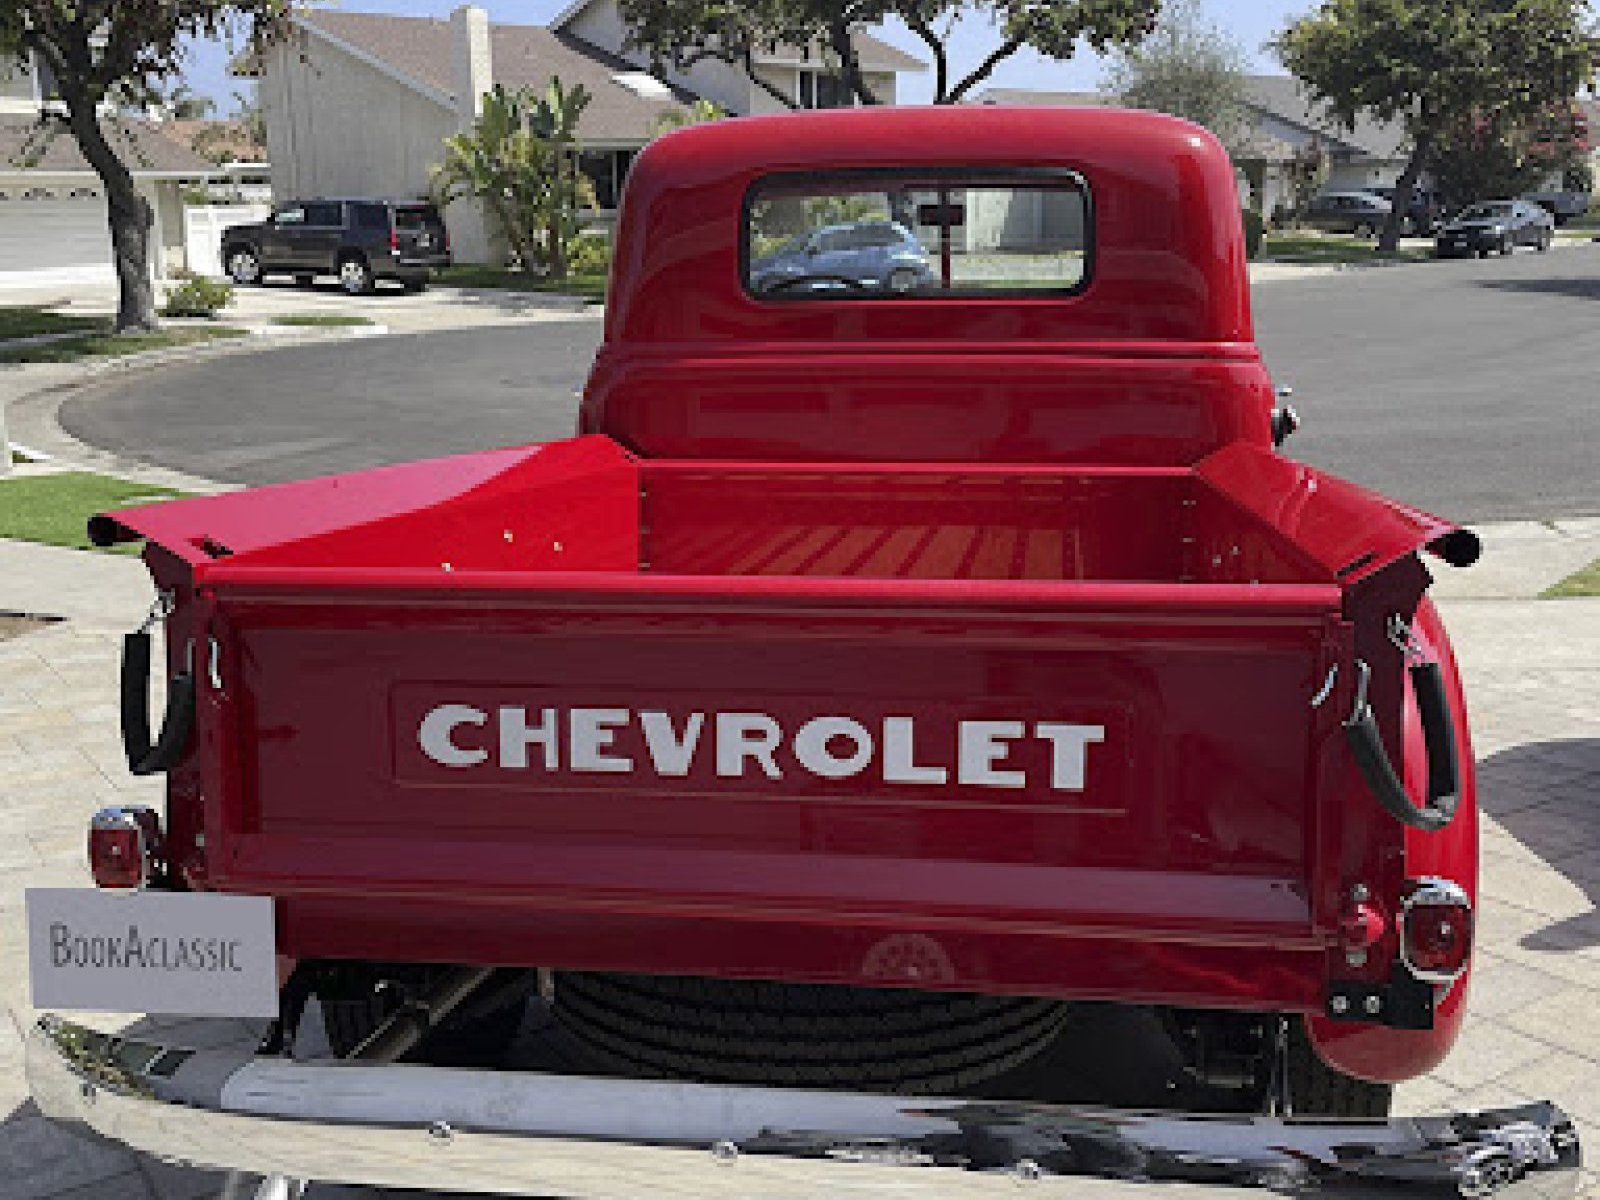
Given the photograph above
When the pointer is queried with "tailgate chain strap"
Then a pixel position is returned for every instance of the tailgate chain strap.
(144, 756)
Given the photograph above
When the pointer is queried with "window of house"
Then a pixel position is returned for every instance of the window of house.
(917, 235)
(606, 169)
(823, 89)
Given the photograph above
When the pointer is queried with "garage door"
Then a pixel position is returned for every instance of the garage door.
(52, 240)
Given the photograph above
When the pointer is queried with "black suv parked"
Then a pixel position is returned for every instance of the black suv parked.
(360, 241)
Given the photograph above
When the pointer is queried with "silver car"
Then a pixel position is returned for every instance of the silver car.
(859, 256)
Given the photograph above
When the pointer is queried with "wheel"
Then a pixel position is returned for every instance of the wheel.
(355, 276)
(304, 280)
(1318, 1090)
(1545, 238)
(801, 1035)
(1507, 245)
(415, 283)
(1483, 252)
(902, 280)
(244, 268)
(1363, 230)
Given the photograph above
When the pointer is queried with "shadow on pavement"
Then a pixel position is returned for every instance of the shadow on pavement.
(1547, 796)
(1577, 288)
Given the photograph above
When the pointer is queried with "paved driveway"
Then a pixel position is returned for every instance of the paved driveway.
(1463, 387)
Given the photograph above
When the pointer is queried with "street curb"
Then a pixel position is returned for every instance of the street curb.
(31, 417)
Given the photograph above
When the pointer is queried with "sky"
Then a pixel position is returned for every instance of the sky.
(1251, 22)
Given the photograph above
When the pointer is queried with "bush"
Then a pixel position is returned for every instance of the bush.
(1254, 233)
(589, 254)
(197, 296)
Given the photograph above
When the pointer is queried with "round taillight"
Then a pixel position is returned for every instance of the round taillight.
(1436, 930)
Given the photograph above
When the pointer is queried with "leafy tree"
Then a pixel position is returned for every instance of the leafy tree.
(107, 52)
(680, 33)
(518, 159)
(1487, 155)
(1187, 67)
(699, 113)
(1431, 64)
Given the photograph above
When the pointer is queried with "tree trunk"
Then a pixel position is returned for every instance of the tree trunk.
(130, 217)
(844, 49)
(1403, 189)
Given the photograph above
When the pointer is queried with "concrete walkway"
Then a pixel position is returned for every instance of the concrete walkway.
(1533, 678)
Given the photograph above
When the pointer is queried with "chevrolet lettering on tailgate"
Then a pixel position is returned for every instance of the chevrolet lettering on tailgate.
(585, 741)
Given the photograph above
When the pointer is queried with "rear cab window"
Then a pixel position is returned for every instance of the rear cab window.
(917, 235)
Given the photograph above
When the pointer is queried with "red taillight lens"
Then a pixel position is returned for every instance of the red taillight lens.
(124, 848)
(394, 238)
(1436, 930)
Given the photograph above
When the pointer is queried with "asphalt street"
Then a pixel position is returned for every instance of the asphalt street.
(1466, 387)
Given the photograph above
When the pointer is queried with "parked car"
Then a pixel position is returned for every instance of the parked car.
(874, 254)
(1499, 225)
(1561, 205)
(1422, 214)
(361, 241)
(1360, 213)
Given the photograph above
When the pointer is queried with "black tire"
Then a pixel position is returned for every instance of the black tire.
(1318, 1090)
(355, 275)
(304, 280)
(1483, 252)
(415, 283)
(244, 265)
(1545, 237)
(801, 1035)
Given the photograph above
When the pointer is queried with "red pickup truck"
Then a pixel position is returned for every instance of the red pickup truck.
(923, 650)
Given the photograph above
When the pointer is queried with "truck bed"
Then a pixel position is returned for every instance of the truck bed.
(918, 724)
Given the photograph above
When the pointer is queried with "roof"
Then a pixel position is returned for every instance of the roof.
(215, 141)
(138, 143)
(874, 53)
(1283, 97)
(1279, 96)
(420, 50)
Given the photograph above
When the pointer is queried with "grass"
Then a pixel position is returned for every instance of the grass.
(53, 509)
(590, 287)
(320, 320)
(111, 345)
(1315, 248)
(28, 320)
(1585, 583)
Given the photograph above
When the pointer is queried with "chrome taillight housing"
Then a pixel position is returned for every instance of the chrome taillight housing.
(125, 848)
(1435, 930)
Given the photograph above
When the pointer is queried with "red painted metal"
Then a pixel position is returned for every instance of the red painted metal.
(919, 518)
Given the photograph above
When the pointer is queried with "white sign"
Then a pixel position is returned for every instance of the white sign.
(181, 954)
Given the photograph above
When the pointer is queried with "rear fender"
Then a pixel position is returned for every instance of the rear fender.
(1377, 1052)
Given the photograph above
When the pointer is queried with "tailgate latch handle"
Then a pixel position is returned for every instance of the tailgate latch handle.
(1433, 706)
(177, 724)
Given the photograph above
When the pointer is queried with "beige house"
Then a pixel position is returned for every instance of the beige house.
(358, 104)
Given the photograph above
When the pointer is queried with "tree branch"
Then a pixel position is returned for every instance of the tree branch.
(749, 65)
(984, 69)
(941, 60)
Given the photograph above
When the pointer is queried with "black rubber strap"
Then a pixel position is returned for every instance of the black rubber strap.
(177, 724)
(1433, 706)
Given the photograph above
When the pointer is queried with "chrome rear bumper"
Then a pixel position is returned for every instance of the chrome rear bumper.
(616, 1139)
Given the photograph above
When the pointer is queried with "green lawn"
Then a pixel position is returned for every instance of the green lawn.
(110, 345)
(28, 320)
(54, 508)
(319, 320)
(1585, 583)
(590, 287)
(1314, 248)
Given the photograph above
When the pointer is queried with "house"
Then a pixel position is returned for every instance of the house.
(1284, 122)
(52, 205)
(360, 103)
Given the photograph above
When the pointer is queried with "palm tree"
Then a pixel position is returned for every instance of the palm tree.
(502, 162)
(553, 117)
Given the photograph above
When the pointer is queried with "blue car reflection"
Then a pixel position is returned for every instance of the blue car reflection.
(863, 255)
